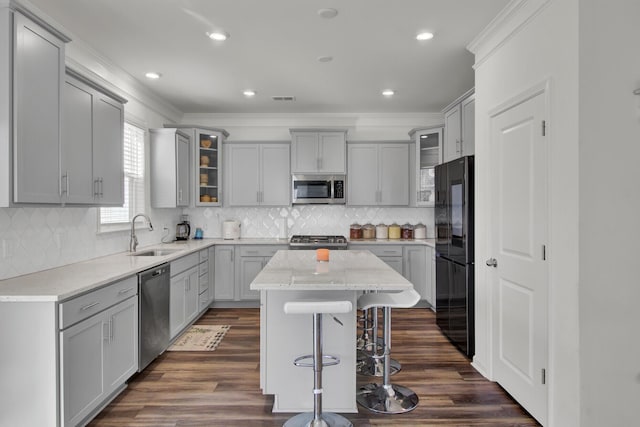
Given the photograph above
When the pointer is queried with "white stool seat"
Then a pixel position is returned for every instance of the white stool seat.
(315, 306)
(404, 299)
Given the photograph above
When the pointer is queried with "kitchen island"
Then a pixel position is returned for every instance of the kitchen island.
(296, 275)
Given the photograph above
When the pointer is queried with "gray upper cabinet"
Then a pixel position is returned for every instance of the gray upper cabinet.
(459, 127)
(170, 154)
(30, 98)
(318, 151)
(378, 174)
(92, 144)
(257, 174)
(424, 155)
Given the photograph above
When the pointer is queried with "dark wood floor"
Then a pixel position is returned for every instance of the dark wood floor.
(221, 388)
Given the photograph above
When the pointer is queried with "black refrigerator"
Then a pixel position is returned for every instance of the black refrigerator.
(454, 252)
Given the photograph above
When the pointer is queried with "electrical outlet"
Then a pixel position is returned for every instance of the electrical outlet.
(7, 248)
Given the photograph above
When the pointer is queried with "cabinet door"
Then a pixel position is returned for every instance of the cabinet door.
(362, 182)
(394, 174)
(38, 78)
(415, 268)
(276, 178)
(243, 174)
(224, 273)
(108, 128)
(76, 151)
(468, 136)
(183, 174)
(191, 294)
(177, 295)
(249, 269)
(452, 136)
(331, 152)
(304, 152)
(82, 367)
(394, 262)
(121, 352)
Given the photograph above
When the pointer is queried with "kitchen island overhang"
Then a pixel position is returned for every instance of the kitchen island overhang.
(297, 275)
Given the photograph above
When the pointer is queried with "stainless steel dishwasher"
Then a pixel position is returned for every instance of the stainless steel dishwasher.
(153, 321)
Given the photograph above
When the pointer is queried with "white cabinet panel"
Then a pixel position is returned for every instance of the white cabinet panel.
(459, 128)
(257, 174)
(415, 269)
(170, 168)
(183, 301)
(107, 150)
(249, 269)
(468, 129)
(452, 134)
(378, 174)
(315, 151)
(224, 273)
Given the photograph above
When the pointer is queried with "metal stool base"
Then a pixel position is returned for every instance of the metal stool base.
(329, 419)
(374, 367)
(392, 399)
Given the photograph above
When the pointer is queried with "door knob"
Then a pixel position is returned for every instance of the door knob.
(492, 262)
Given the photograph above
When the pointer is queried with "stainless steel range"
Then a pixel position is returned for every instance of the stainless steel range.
(316, 242)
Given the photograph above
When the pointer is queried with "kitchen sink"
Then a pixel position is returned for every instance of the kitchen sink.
(156, 252)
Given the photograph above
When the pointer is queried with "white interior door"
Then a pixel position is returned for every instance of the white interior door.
(519, 235)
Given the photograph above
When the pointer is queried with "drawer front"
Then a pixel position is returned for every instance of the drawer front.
(267, 251)
(380, 250)
(203, 268)
(203, 282)
(204, 255)
(184, 263)
(203, 300)
(87, 305)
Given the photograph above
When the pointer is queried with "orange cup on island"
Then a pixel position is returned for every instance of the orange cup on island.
(322, 254)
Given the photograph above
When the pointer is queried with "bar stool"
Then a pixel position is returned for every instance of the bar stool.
(368, 361)
(387, 398)
(317, 418)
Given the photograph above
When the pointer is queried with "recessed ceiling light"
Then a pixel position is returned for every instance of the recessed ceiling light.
(325, 58)
(328, 13)
(424, 36)
(388, 92)
(249, 93)
(219, 36)
(153, 75)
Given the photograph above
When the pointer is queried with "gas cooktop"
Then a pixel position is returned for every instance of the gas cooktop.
(315, 241)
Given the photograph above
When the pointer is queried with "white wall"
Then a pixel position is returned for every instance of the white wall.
(517, 55)
(609, 211)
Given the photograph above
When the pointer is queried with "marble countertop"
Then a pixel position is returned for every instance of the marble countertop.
(345, 270)
(68, 281)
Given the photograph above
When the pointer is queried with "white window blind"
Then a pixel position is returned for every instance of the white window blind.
(133, 152)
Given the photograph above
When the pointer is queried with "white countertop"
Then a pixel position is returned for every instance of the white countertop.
(61, 283)
(345, 270)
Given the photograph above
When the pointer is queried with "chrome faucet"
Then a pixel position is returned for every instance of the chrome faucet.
(133, 243)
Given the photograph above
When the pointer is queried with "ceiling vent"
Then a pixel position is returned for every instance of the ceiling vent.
(283, 98)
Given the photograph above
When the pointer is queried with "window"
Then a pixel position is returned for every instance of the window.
(111, 219)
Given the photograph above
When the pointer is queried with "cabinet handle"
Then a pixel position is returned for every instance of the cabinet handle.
(124, 291)
(111, 329)
(101, 187)
(105, 331)
(88, 306)
(95, 188)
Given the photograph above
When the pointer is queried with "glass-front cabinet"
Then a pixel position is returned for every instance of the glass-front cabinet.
(426, 154)
(207, 161)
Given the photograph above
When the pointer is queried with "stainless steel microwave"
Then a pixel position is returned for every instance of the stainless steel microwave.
(318, 189)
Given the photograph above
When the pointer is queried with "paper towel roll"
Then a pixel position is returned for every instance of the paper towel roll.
(282, 225)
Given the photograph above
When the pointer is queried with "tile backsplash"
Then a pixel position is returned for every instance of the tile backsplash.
(304, 219)
(35, 239)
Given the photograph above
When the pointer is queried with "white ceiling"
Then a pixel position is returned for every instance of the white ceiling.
(274, 46)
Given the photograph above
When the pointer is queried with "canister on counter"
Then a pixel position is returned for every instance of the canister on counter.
(382, 231)
(420, 231)
(368, 231)
(355, 231)
(407, 231)
(394, 231)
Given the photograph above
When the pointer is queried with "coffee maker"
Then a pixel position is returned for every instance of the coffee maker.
(183, 229)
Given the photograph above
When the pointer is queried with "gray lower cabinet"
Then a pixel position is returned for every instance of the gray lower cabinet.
(252, 260)
(99, 350)
(203, 281)
(415, 269)
(390, 254)
(183, 300)
(225, 274)
(237, 266)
